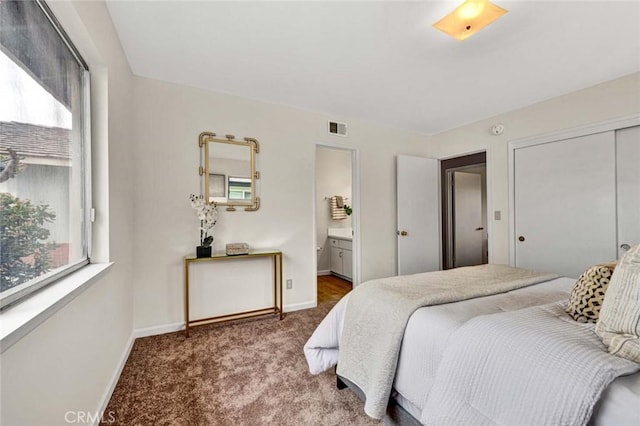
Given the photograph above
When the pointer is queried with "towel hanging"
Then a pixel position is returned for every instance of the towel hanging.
(337, 213)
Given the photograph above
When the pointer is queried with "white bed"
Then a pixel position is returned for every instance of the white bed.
(426, 336)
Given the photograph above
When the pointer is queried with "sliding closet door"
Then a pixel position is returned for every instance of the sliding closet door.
(565, 204)
(628, 177)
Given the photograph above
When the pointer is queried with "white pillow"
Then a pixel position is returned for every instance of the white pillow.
(619, 323)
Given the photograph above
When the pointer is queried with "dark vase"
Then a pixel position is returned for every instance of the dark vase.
(202, 251)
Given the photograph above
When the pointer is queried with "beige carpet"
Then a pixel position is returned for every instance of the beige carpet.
(251, 372)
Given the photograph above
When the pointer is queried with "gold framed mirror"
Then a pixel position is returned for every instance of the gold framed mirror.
(229, 171)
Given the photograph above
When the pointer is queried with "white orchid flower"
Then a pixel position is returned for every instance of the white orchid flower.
(207, 214)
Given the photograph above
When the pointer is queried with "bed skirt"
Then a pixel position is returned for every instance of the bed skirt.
(395, 415)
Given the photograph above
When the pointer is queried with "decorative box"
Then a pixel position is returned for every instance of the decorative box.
(234, 249)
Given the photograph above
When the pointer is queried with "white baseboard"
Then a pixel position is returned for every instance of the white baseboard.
(300, 306)
(324, 272)
(178, 326)
(116, 376)
(158, 329)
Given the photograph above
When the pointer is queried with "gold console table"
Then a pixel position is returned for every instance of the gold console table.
(277, 308)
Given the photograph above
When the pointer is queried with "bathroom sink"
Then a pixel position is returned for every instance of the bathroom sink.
(342, 233)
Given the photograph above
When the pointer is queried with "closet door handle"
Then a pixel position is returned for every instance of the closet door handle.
(625, 246)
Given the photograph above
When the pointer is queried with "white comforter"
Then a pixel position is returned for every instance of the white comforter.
(322, 348)
(426, 337)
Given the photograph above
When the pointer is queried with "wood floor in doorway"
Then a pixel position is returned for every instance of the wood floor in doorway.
(332, 288)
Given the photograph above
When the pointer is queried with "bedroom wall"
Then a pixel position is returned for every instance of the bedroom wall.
(169, 118)
(70, 362)
(609, 100)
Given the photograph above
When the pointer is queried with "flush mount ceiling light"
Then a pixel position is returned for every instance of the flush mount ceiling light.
(469, 18)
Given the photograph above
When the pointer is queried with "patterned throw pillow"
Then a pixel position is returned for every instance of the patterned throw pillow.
(588, 294)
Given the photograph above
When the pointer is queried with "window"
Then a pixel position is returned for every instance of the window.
(239, 188)
(44, 151)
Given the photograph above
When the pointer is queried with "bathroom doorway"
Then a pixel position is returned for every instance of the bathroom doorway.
(336, 212)
(464, 211)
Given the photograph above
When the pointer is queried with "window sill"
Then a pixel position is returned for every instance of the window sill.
(17, 321)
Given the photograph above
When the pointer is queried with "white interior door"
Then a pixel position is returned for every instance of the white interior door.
(418, 215)
(565, 204)
(628, 179)
(467, 214)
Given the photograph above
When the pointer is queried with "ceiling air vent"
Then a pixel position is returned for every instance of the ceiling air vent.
(337, 128)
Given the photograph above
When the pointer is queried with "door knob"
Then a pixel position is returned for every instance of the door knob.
(403, 233)
(521, 238)
(625, 247)
(479, 229)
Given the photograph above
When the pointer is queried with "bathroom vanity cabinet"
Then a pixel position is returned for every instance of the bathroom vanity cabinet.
(341, 257)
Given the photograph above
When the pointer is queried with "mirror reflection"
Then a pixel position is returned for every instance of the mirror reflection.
(229, 173)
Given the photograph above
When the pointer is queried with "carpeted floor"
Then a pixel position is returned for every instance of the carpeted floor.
(251, 372)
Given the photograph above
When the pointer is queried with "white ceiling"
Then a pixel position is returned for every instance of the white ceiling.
(381, 61)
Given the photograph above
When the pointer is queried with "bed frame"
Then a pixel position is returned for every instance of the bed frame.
(395, 415)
